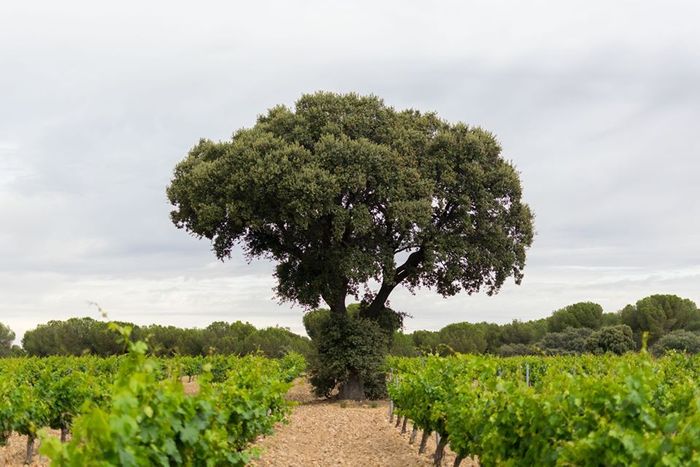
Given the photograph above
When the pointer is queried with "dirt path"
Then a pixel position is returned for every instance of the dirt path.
(333, 434)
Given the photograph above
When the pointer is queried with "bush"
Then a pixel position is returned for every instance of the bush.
(514, 350)
(349, 356)
(614, 339)
(681, 341)
(570, 341)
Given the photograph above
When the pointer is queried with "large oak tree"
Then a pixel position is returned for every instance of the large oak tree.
(351, 197)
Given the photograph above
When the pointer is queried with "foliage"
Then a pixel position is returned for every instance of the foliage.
(80, 336)
(512, 350)
(659, 315)
(579, 315)
(151, 421)
(614, 339)
(680, 341)
(336, 188)
(586, 410)
(7, 337)
(569, 341)
(349, 351)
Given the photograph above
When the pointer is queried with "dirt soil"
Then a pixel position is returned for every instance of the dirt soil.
(14, 453)
(319, 433)
(322, 433)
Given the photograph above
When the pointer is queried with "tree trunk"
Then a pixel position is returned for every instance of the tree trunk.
(64, 434)
(30, 450)
(398, 422)
(423, 441)
(458, 461)
(353, 389)
(440, 451)
(412, 439)
(403, 427)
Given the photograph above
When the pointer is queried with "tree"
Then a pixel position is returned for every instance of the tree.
(611, 339)
(579, 315)
(569, 341)
(7, 337)
(660, 314)
(344, 191)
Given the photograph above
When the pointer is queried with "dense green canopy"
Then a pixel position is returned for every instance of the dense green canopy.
(343, 190)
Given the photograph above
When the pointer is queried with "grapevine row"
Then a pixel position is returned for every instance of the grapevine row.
(133, 410)
(547, 411)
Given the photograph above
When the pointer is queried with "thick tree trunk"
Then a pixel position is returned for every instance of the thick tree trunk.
(64, 434)
(458, 461)
(353, 388)
(398, 422)
(403, 427)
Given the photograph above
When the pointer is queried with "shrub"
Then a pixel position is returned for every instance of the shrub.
(682, 341)
(614, 339)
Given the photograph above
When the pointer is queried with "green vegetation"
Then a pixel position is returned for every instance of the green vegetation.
(80, 336)
(132, 409)
(673, 323)
(344, 191)
(584, 410)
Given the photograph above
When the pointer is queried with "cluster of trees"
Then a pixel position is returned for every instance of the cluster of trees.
(78, 336)
(670, 321)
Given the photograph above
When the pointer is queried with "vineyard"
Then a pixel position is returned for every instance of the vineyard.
(583, 410)
(133, 410)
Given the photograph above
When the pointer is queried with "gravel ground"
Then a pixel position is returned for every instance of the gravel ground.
(14, 453)
(323, 433)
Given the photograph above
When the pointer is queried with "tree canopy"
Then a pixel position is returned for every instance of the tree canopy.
(7, 337)
(343, 190)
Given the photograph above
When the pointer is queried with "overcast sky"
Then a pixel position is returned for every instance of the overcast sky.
(596, 102)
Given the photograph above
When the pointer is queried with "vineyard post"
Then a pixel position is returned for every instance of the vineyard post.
(527, 374)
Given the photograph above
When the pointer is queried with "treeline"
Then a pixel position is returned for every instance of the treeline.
(87, 336)
(670, 321)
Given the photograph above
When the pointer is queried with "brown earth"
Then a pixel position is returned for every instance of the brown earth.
(15, 451)
(323, 433)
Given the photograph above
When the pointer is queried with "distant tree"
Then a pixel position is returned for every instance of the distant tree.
(426, 341)
(344, 191)
(611, 319)
(225, 338)
(514, 350)
(7, 337)
(569, 341)
(465, 337)
(579, 315)
(402, 345)
(660, 314)
(276, 342)
(519, 332)
(679, 340)
(611, 339)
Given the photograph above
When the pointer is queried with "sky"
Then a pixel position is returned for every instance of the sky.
(597, 104)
